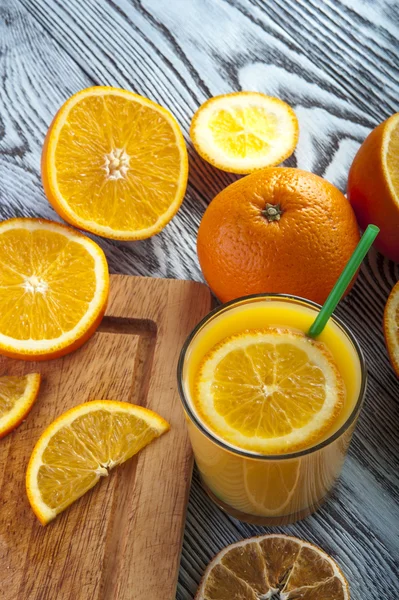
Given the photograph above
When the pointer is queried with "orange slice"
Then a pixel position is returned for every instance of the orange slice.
(273, 566)
(391, 327)
(81, 446)
(53, 288)
(244, 131)
(270, 487)
(269, 391)
(17, 395)
(115, 163)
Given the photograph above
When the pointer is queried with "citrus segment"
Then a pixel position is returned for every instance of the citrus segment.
(309, 566)
(17, 395)
(115, 163)
(273, 566)
(222, 584)
(271, 487)
(247, 564)
(53, 288)
(391, 327)
(269, 391)
(244, 131)
(279, 554)
(81, 446)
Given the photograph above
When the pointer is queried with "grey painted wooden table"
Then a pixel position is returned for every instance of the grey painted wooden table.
(336, 62)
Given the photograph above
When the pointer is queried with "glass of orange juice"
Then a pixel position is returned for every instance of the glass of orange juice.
(270, 412)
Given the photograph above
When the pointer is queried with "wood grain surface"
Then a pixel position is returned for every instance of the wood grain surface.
(336, 62)
(123, 538)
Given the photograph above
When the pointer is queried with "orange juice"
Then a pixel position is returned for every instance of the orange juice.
(258, 487)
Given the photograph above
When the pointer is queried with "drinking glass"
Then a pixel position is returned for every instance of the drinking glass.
(260, 488)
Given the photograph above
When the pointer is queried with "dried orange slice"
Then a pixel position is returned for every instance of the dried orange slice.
(53, 288)
(81, 446)
(391, 327)
(17, 395)
(115, 163)
(244, 131)
(273, 566)
(269, 391)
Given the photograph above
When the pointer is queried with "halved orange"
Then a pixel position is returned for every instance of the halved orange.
(83, 445)
(273, 566)
(53, 288)
(115, 163)
(373, 185)
(391, 327)
(269, 391)
(244, 131)
(17, 396)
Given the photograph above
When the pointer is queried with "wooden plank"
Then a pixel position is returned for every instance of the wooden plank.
(336, 62)
(123, 538)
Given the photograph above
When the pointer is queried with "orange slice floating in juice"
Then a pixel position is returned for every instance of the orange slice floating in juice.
(271, 487)
(115, 163)
(270, 391)
(273, 566)
(83, 445)
(53, 288)
(17, 395)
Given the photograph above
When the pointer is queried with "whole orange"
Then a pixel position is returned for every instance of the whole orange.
(276, 230)
(373, 185)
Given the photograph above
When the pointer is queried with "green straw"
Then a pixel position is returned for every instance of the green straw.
(344, 280)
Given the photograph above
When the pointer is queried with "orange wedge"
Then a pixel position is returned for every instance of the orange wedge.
(115, 163)
(273, 566)
(83, 445)
(53, 288)
(269, 391)
(17, 396)
(244, 131)
(391, 327)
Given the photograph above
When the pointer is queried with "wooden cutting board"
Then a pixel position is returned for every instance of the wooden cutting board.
(122, 540)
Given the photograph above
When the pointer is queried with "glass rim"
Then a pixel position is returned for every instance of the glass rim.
(255, 455)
